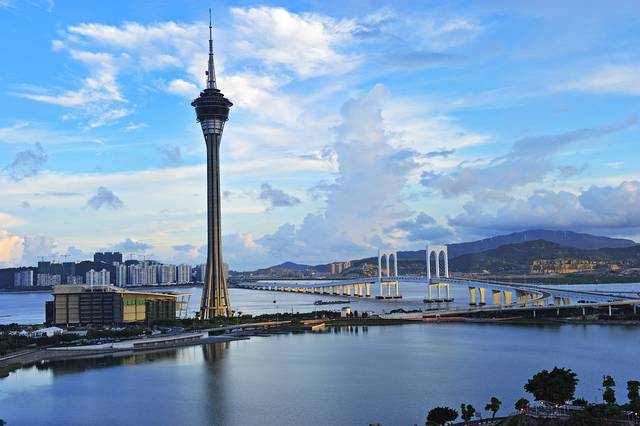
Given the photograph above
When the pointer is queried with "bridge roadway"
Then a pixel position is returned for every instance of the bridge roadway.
(540, 292)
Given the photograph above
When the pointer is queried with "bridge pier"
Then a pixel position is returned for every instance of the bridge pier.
(397, 293)
(472, 296)
(481, 293)
(368, 289)
(507, 297)
(497, 299)
(522, 297)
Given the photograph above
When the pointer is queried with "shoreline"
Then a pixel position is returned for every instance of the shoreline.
(23, 359)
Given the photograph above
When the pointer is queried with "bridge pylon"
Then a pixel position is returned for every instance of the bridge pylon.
(389, 282)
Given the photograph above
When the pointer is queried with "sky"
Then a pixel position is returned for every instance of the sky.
(356, 126)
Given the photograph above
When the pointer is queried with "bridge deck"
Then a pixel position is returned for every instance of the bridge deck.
(545, 291)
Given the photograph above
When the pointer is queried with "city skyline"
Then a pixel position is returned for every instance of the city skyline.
(100, 152)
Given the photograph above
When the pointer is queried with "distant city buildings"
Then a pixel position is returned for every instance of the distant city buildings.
(121, 275)
(108, 257)
(102, 277)
(48, 280)
(23, 278)
(338, 267)
(183, 274)
(107, 268)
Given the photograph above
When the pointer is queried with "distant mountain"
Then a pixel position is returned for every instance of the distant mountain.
(517, 258)
(293, 266)
(282, 268)
(564, 238)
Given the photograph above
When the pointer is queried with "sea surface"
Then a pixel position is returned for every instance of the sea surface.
(28, 307)
(346, 376)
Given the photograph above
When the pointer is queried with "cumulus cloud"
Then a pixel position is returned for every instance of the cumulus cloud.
(603, 208)
(361, 204)
(182, 87)
(37, 246)
(105, 197)
(423, 228)
(277, 197)
(26, 163)
(11, 249)
(171, 156)
(307, 43)
(530, 160)
(131, 246)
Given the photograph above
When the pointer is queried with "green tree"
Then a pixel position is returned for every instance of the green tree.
(556, 386)
(442, 415)
(633, 388)
(468, 411)
(609, 394)
(493, 406)
(522, 404)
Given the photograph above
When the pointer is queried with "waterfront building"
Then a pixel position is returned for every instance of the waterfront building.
(23, 278)
(75, 279)
(108, 305)
(184, 274)
(338, 267)
(212, 111)
(48, 280)
(167, 274)
(102, 277)
(108, 257)
(200, 272)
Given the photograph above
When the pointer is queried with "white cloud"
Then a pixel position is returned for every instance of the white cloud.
(307, 44)
(528, 161)
(183, 88)
(610, 79)
(603, 208)
(11, 249)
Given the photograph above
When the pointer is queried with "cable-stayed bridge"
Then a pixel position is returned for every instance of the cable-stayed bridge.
(437, 282)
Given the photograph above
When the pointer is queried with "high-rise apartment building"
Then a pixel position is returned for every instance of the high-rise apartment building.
(184, 274)
(108, 257)
(23, 278)
(102, 277)
(121, 275)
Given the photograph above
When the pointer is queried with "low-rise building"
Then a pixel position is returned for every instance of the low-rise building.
(107, 305)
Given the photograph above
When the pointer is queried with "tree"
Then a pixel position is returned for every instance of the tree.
(441, 415)
(633, 388)
(522, 404)
(556, 386)
(609, 394)
(580, 402)
(468, 411)
(493, 406)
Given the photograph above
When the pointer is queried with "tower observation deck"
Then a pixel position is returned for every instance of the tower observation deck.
(212, 111)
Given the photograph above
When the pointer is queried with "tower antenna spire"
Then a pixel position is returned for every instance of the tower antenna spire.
(211, 71)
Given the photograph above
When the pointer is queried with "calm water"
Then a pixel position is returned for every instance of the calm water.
(391, 375)
(28, 308)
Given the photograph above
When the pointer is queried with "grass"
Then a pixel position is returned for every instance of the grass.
(5, 370)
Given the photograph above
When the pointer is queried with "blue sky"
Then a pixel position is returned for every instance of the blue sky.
(355, 125)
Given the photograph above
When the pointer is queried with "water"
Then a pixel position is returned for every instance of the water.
(28, 308)
(349, 376)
